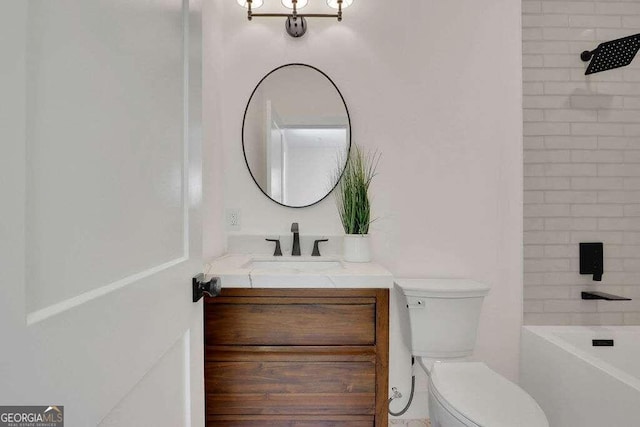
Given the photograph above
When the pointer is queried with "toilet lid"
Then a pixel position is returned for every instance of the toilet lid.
(484, 397)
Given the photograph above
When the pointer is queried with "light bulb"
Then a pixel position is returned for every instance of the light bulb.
(254, 4)
(289, 4)
(334, 3)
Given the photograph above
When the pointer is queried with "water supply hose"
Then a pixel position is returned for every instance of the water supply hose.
(406, 408)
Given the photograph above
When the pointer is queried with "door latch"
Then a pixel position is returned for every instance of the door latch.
(210, 288)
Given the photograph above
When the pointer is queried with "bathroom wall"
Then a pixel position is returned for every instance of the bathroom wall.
(436, 87)
(582, 162)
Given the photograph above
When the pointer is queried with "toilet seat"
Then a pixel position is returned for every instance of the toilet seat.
(478, 396)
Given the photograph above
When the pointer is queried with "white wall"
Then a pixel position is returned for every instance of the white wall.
(436, 87)
(212, 150)
(582, 163)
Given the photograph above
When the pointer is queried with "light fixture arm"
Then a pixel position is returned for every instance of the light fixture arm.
(295, 24)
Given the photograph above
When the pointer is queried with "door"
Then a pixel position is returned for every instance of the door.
(100, 226)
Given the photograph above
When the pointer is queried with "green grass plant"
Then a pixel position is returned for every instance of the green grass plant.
(352, 191)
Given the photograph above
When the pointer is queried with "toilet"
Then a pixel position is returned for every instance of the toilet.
(439, 321)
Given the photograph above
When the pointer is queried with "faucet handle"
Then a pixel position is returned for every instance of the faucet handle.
(278, 250)
(316, 250)
(294, 227)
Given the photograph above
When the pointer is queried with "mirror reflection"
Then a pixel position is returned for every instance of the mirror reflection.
(296, 135)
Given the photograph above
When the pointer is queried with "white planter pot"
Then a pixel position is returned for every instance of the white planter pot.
(356, 248)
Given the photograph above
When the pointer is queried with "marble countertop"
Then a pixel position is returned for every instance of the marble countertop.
(237, 271)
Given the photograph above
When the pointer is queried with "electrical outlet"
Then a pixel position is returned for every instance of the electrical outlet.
(233, 219)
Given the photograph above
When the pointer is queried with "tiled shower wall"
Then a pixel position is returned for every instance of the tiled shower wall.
(582, 162)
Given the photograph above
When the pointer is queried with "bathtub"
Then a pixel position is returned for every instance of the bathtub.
(579, 384)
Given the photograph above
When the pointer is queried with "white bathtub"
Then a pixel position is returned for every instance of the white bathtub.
(580, 385)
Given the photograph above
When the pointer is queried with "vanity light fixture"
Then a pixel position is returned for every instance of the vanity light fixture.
(296, 23)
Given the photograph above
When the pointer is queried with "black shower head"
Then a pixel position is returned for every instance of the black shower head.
(613, 54)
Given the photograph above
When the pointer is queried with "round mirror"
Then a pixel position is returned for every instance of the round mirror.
(296, 135)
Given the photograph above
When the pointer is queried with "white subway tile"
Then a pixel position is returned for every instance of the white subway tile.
(546, 74)
(562, 61)
(545, 47)
(619, 116)
(533, 197)
(546, 292)
(568, 7)
(541, 129)
(571, 169)
(569, 306)
(533, 142)
(616, 142)
(603, 129)
(547, 319)
(531, 34)
(529, 6)
(631, 21)
(576, 142)
(632, 156)
(532, 306)
(597, 156)
(543, 265)
(533, 115)
(532, 61)
(631, 102)
(532, 88)
(611, 237)
(571, 115)
(546, 210)
(597, 210)
(561, 251)
(545, 21)
(547, 183)
(619, 196)
(569, 34)
(533, 224)
(571, 196)
(547, 101)
(618, 170)
(632, 210)
(603, 183)
(619, 224)
(596, 101)
(533, 251)
(533, 279)
(546, 237)
(547, 156)
(617, 8)
(592, 21)
(595, 319)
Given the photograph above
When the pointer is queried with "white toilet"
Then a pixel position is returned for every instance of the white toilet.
(439, 325)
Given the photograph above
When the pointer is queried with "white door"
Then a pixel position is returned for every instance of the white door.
(99, 223)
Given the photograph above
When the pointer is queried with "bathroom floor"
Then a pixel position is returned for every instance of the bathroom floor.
(410, 423)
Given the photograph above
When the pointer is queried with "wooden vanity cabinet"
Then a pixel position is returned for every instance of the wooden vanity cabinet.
(297, 358)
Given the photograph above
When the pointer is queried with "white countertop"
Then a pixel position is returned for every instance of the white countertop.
(235, 271)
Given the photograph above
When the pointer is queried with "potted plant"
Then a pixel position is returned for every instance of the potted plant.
(354, 208)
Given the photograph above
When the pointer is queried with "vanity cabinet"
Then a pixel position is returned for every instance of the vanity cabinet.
(297, 357)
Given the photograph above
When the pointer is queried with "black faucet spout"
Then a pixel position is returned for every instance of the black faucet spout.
(295, 250)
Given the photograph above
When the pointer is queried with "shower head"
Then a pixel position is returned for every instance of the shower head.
(612, 54)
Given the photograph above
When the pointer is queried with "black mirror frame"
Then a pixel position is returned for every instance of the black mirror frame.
(244, 152)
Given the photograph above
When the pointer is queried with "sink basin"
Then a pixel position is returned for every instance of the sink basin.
(293, 264)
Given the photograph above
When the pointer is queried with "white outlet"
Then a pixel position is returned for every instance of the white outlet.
(233, 219)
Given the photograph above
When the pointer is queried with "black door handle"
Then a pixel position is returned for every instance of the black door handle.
(210, 288)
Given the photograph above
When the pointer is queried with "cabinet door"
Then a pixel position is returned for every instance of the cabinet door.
(297, 357)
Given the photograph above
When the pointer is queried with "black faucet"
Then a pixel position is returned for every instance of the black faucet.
(591, 259)
(295, 251)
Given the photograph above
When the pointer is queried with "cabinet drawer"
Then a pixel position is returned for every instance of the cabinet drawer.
(269, 321)
(290, 377)
(289, 421)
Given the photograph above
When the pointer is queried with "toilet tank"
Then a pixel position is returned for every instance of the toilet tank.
(439, 317)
